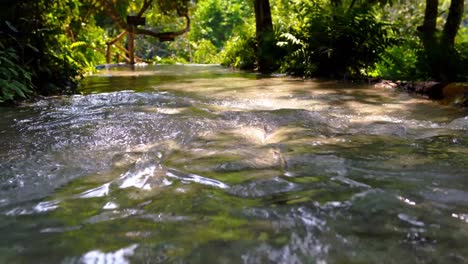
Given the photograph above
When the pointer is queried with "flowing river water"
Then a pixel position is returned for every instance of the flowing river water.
(199, 164)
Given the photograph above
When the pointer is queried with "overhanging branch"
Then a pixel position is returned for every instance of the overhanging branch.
(131, 28)
(146, 5)
(165, 36)
(162, 36)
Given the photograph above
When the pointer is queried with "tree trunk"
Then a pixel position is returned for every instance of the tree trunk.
(428, 28)
(441, 56)
(449, 58)
(453, 23)
(429, 40)
(264, 35)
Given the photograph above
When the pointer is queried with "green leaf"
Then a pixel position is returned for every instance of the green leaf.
(12, 28)
(14, 72)
(77, 44)
(7, 62)
(33, 48)
(19, 87)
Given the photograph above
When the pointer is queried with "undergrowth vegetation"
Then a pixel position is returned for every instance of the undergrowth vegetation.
(239, 50)
(15, 81)
(36, 56)
(334, 41)
(348, 39)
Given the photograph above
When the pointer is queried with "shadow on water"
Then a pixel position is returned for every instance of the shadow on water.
(199, 164)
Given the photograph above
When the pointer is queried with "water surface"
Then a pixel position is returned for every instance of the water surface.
(199, 164)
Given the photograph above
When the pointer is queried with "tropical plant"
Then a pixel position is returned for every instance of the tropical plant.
(401, 62)
(334, 41)
(36, 56)
(205, 52)
(239, 50)
(15, 82)
(216, 20)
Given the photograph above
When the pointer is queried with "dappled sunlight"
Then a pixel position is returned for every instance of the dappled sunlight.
(262, 135)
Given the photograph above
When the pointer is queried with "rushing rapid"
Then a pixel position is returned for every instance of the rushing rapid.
(199, 164)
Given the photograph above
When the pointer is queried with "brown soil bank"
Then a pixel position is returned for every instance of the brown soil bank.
(447, 93)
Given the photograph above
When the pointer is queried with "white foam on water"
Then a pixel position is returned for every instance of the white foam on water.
(199, 179)
(117, 257)
(138, 179)
(100, 191)
(110, 206)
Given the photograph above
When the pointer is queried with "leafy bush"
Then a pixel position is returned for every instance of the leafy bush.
(401, 62)
(239, 50)
(334, 41)
(205, 52)
(88, 49)
(36, 57)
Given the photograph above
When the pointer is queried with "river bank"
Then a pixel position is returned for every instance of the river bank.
(455, 93)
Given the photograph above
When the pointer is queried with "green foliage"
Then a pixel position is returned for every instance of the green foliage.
(162, 16)
(35, 44)
(170, 5)
(239, 50)
(15, 82)
(46, 45)
(403, 62)
(400, 62)
(216, 20)
(281, 11)
(88, 49)
(222, 25)
(405, 16)
(446, 64)
(205, 52)
(408, 60)
(334, 41)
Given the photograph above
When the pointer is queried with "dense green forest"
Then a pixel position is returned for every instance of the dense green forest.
(45, 46)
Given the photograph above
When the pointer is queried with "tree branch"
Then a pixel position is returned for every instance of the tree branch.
(452, 25)
(146, 5)
(114, 14)
(164, 36)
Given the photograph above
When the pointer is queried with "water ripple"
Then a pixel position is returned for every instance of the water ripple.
(195, 178)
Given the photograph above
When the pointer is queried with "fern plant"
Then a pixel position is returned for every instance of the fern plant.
(15, 82)
(332, 41)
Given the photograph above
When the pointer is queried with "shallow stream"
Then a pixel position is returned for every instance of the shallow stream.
(199, 164)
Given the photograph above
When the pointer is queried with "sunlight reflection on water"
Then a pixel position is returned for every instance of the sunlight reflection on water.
(193, 164)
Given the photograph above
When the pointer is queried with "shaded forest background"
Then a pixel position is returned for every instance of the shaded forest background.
(45, 46)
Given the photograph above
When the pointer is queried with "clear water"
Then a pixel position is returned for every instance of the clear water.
(199, 164)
